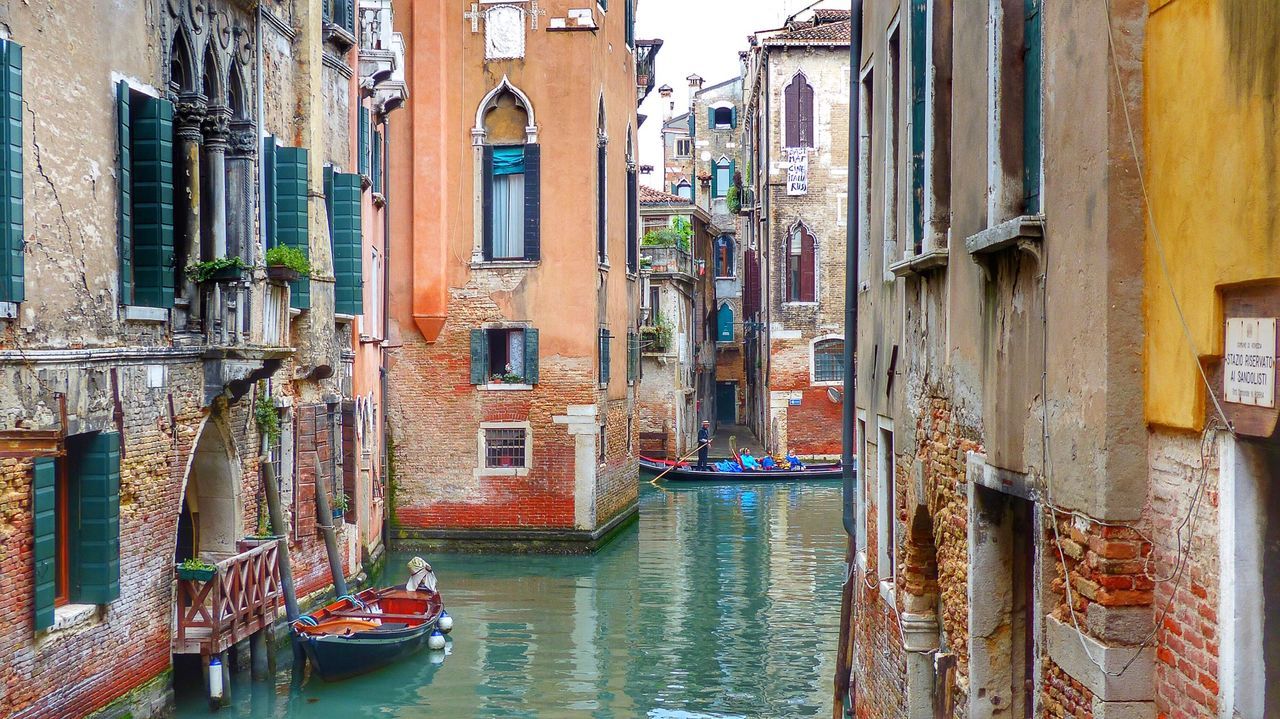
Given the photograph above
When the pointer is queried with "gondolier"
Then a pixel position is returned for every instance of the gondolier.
(704, 444)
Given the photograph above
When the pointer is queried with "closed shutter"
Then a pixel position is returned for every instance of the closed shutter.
(292, 214)
(480, 357)
(633, 356)
(1031, 109)
(12, 283)
(151, 155)
(377, 162)
(349, 16)
(269, 187)
(792, 105)
(733, 118)
(487, 202)
(602, 249)
(348, 255)
(633, 221)
(806, 113)
(124, 195)
(919, 38)
(693, 127)
(97, 555)
(533, 202)
(604, 356)
(806, 267)
(531, 355)
(724, 324)
(44, 482)
(364, 141)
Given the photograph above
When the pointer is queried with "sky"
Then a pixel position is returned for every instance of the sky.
(703, 37)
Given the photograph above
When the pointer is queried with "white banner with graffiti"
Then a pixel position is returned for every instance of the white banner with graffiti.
(797, 170)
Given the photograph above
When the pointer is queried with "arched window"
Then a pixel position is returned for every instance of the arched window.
(722, 177)
(828, 360)
(800, 265)
(602, 188)
(799, 110)
(512, 169)
(685, 190)
(724, 256)
(724, 118)
(724, 323)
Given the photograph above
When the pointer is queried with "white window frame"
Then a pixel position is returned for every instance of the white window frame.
(813, 361)
(892, 200)
(860, 528)
(483, 471)
(722, 105)
(688, 147)
(886, 521)
(866, 115)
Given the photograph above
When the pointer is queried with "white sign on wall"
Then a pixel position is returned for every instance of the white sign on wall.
(1249, 362)
(797, 171)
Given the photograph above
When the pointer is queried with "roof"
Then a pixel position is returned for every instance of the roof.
(650, 196)
(832, 15)
(814, 33)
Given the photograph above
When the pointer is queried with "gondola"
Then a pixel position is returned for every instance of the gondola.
(684, 472)
(357, 634)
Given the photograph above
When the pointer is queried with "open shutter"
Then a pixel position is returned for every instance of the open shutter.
(269, 187)
(348, 255)
(151, 128)
(479, 357)
(44, 480)
(807, 293)
(377, 162)
(365, 129)
(715, 179)
(292, 227)
(328, 200)
(487, 201)
(349, 16)
(124, 195)
(633, 222)
(693, 127)
(733, 172)
(531, 355)
(711, 118)
(97, 554)
(533, 202)
(1031, 108)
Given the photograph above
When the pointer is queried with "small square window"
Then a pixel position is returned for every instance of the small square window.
(684, 147)
(505, 448)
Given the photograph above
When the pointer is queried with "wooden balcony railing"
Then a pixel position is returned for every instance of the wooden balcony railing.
(240, 599)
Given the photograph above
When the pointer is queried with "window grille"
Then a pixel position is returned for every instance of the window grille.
(828, 361)
(504, 447)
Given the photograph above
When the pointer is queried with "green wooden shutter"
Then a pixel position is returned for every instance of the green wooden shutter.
(364, 141)
(124, 195)
(533, 202)
(44, 482)
(97, 555)
(733, 118)
(604, 356)
(631, 356)
(348, 254)
(269, 187)
(292, 208)
(531, 356)
(487, 203)
(1031, 108)
(480, 357)
(328, 200)
(919, 39)
(151, 155)
(349, 17)
(630, 19)
(693, 126)
(377, 162)
(12, 282)
(733, 172)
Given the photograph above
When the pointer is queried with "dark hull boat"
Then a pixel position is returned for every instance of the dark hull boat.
(357, 634)
(684, 472)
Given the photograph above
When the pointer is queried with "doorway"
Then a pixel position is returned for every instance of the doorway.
(210, 521)
(727, 403)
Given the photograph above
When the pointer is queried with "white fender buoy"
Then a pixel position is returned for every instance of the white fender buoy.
(215, 678)
(445, 623)
(436, 640)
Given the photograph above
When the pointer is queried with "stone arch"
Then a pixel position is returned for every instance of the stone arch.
(211, 80)
(182, 62)
(479, 133)
(211, 519)
(920, 612)
(238, 93)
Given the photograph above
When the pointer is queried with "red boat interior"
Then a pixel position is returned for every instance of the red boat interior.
(372, 609)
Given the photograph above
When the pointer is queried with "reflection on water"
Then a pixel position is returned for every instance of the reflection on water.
(723, 603)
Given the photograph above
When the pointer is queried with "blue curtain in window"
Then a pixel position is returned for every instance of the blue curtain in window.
(508, 160)
(508, 202)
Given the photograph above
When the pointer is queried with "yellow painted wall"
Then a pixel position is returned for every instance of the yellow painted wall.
(1212, 130)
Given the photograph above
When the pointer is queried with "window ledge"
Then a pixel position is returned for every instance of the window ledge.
(344, 318)
(1011, 233)
(934, 259)
(503, 387)
(8, 310)
(826, 383)
(501, 472)
(369, 340)
(505, 264)
(338, 36)
(799, 304)
(135, 313)
(70, 619)
(887, 592)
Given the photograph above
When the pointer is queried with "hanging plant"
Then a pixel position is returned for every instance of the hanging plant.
(288, 257)
(221, 269)
(265, 414)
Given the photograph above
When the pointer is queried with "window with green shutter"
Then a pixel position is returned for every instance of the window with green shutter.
(44, 479)
(504, 352)
(365, 129)
(605, 342)
(1031, 108)
(919, 40)
(145, 196)
(348, 258)
(376, 163)
(291, 214)
(12, 283)
(633, 356)
(97, 547)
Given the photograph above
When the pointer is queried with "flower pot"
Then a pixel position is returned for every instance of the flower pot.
(198, 575)
(282, 273)
(339, 513)
(227, 274)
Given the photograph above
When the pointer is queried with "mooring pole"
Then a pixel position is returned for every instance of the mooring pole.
(330, 538)
(272, 492)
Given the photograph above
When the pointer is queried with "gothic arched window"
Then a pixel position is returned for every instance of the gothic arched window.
(801, 272)
(799, 111)
(724, 256)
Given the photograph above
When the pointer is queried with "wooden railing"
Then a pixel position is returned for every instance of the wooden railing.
(240, 599)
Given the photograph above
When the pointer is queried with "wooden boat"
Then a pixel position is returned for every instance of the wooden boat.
(357, 634)
(684, 472)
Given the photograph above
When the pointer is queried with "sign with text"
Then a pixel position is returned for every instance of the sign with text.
(1249, 362)
(797, 170)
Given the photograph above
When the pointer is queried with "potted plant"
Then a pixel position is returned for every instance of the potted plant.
(339, 504)
(495, 379)
(223, 269)
(286, 263)
(512, 378)
(196, 569)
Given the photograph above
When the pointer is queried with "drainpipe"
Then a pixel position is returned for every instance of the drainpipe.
(386, 324)
(844, 685)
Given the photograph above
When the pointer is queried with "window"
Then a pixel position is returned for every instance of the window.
(684, 147)
(605, 339)
(364, 156)
(144, 132)
(509, 355)
(893, 113)
(376, 152)
(866, 100)
(828, 361)
(633, 209)
(724, 323)
(341, 13)
(602, 445)
(723, 118)
(343, 197)
(886, 527)
(860, 529)
(685, 190)
(504, 447)
(655, 304)
(724, 256)
(1033, 54)
(373, 316)
(511, 183)
(800, 265)
(602, 199)
(1015, 60)
(288, 213)
(798, 105)
(76, 528)
(633, 357)
(506, 212)
(12, 283)
(722, 177)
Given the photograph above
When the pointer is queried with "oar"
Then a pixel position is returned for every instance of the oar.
(654, 481)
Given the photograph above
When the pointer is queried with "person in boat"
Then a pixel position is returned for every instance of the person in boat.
(794, 461)
(421, 576)
(768, 463)
(704, 445)
(749, 463)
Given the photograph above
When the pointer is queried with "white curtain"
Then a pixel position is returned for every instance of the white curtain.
(515, 351)
(508, 216)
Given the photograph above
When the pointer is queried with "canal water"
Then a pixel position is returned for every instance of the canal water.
(723, 601)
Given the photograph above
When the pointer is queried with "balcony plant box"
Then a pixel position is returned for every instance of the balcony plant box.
(280, 273)
(226, 269)
(196, 570)
(286, 264)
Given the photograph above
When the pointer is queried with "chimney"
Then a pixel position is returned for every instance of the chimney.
(695, 84)
(669, 106)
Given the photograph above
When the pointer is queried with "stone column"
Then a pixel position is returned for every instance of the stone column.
(242, 148)
(189, 117)
(217, 131)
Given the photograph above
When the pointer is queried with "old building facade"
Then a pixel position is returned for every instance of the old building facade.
(795, 135)
(151, 357)
(515, 315)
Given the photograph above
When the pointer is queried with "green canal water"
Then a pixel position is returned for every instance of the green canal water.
(722, 601)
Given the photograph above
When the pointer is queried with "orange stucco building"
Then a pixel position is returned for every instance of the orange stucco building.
(513, 285)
